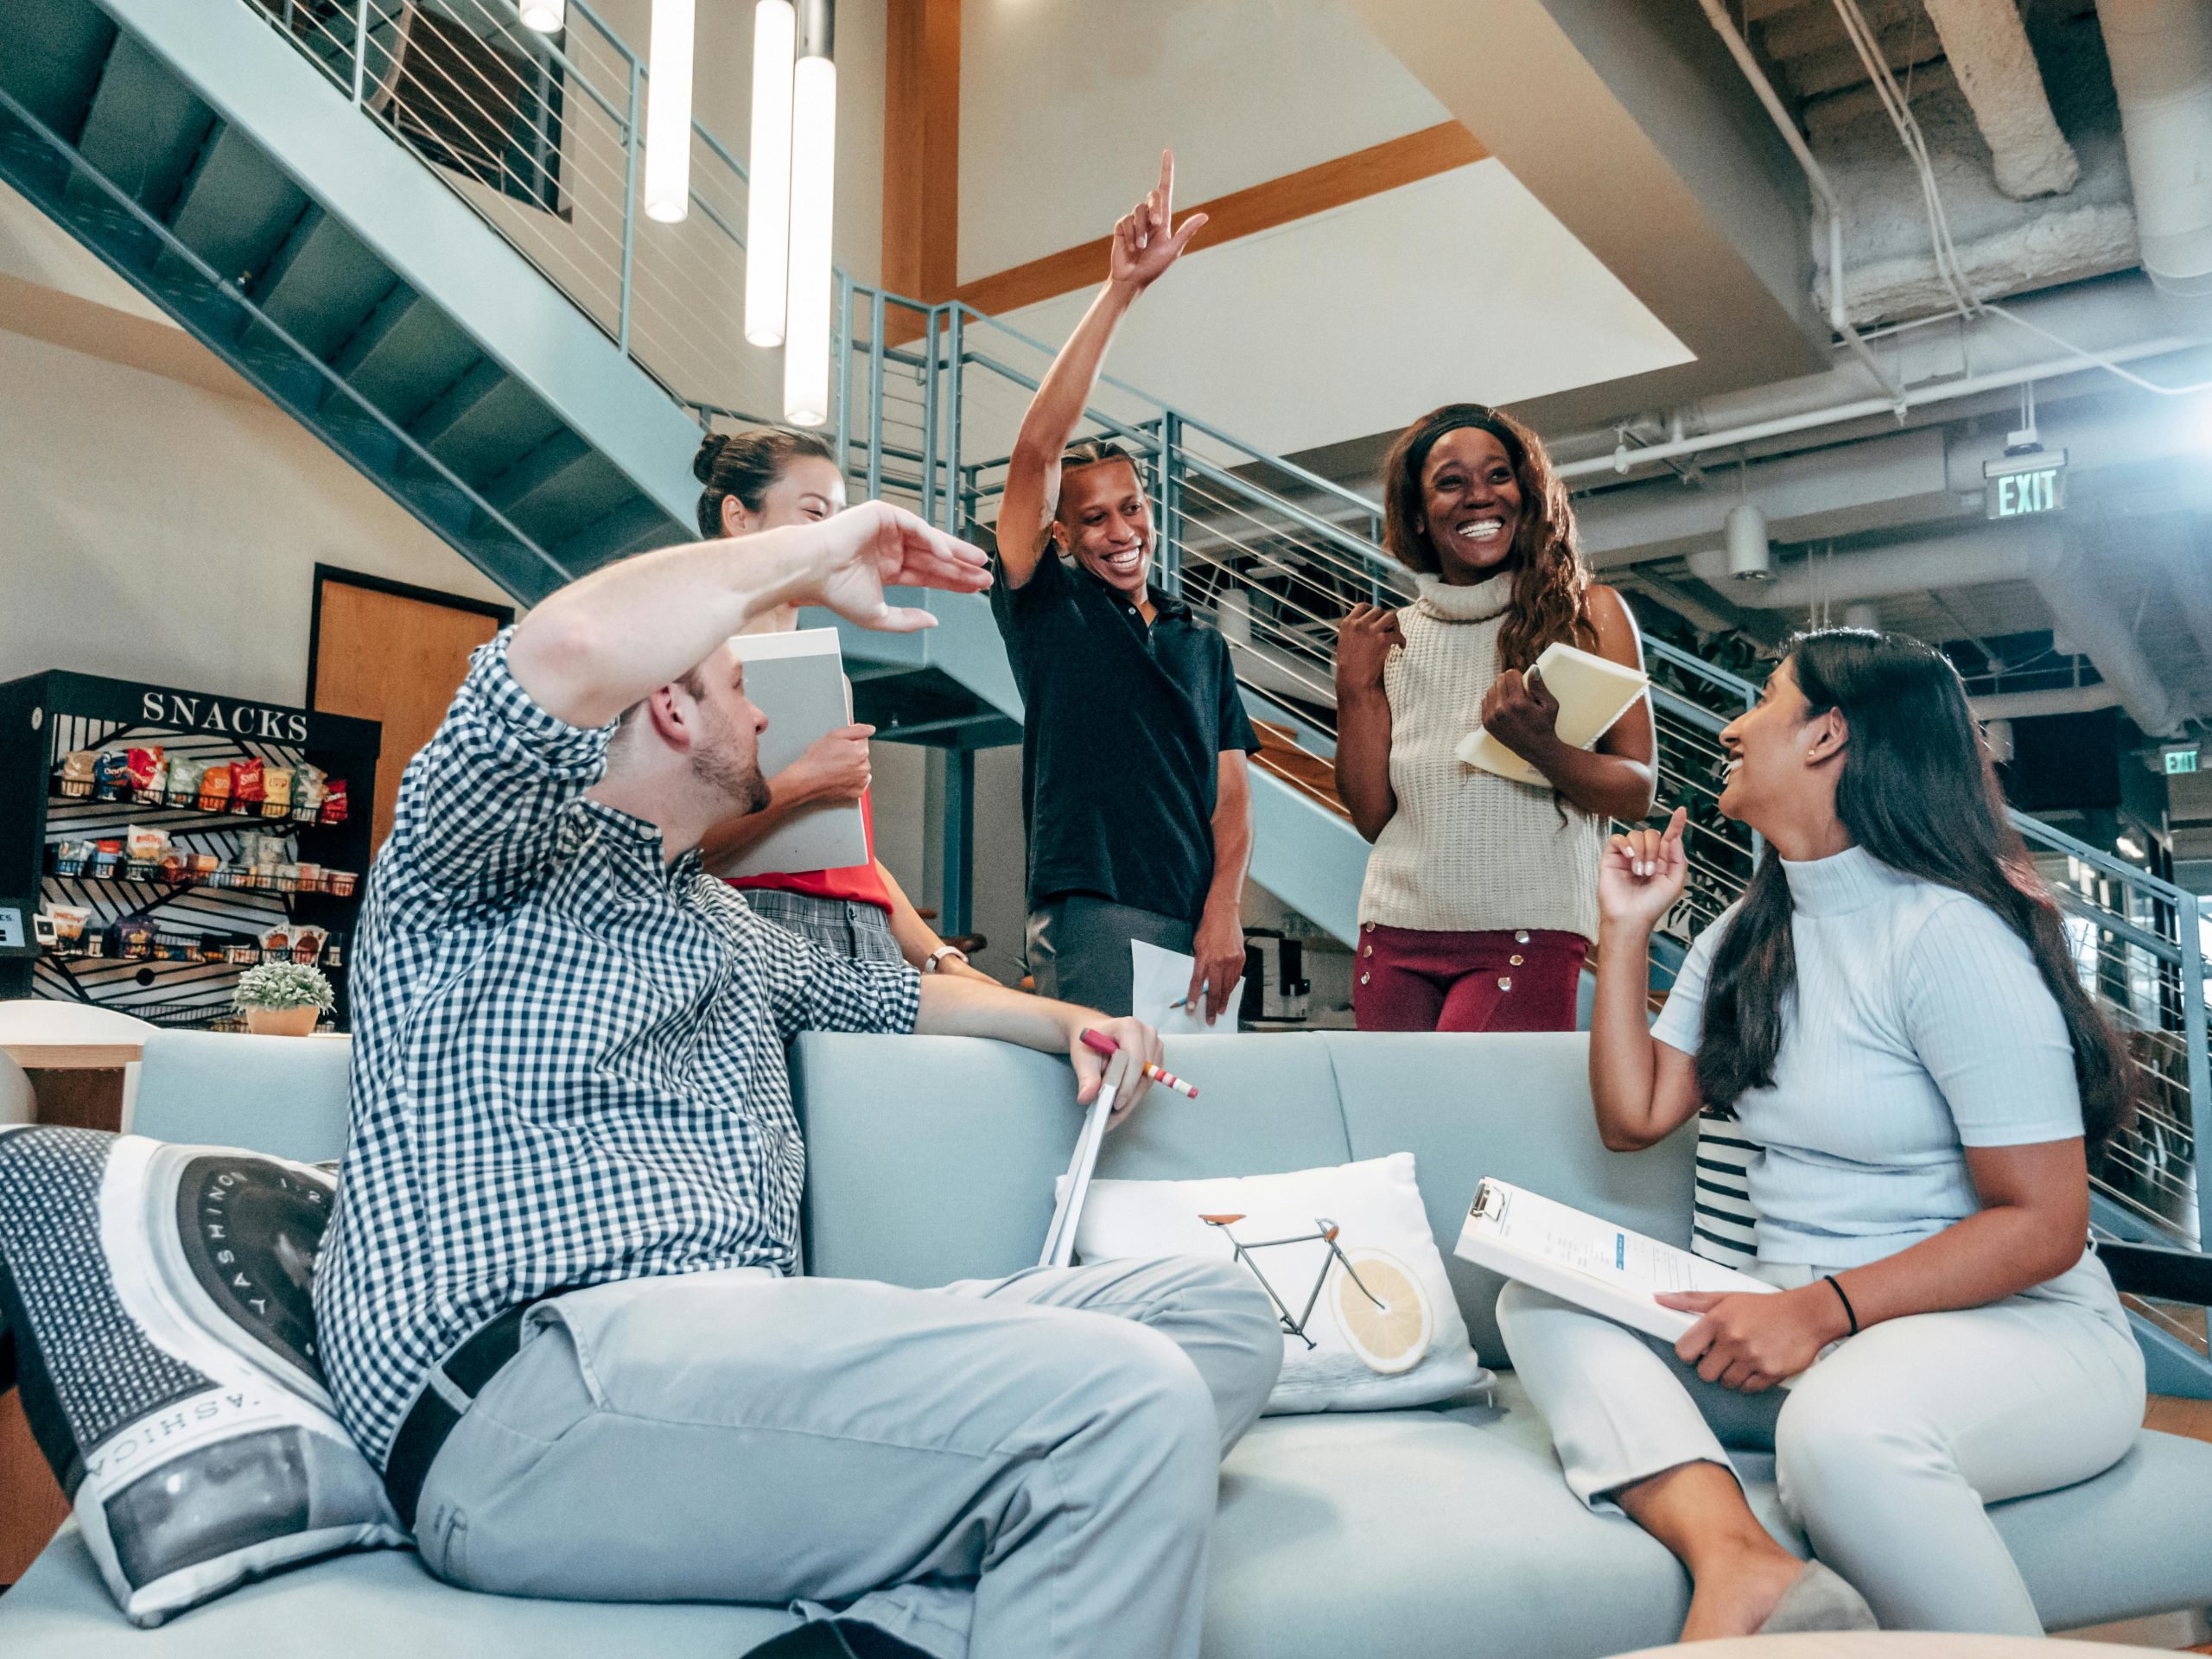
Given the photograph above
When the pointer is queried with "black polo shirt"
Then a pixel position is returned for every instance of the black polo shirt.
(1122, 728)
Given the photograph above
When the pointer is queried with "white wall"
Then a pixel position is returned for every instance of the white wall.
(158, 531)
(1065, 108)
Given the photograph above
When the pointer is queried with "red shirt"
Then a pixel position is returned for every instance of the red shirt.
(860, 883)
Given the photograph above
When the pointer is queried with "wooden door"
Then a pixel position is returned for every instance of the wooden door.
(386, 651)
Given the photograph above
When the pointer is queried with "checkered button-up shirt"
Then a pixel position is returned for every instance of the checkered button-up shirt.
(567, 1055)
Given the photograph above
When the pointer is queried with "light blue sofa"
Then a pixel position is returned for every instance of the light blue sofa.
(1440, 1532)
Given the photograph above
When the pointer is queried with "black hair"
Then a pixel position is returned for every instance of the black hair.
(1918, 791)
(744, 465)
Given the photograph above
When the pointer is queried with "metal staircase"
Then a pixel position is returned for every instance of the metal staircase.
(416, 226)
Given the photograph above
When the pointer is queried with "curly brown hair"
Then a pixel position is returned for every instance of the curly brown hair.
(1551, 585)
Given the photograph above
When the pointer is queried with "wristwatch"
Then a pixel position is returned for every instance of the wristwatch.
(930, 962)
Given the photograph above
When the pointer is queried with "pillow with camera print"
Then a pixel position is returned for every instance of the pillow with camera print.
(1345, 1255)
(158, 1299)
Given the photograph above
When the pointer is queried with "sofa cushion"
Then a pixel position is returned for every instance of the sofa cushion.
(1512, 1104)
(932, 1158)
(158, 1299)
(283, 1096)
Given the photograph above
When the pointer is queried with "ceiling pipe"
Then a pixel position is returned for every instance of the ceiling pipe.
(2058, 699)
(1817, 179)
(1968, 558)
(1987, 46)
(2161, 54)
(1940, 391)
(2070, 592)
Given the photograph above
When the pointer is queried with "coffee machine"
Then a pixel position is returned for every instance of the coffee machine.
(1275, 986)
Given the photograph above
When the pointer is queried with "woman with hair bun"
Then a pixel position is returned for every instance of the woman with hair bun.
(1480, 904)
(759, 480)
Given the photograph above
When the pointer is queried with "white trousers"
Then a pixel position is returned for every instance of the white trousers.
(1885, 1451)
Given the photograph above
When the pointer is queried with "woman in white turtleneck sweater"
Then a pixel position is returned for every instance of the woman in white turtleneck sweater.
(1480, 901)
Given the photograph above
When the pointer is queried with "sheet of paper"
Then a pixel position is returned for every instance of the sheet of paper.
(1162, 979)
(1590, 1261)
(1067, 1212)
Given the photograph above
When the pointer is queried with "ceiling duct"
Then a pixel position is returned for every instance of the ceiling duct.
(1988, 46)
(2161, 54)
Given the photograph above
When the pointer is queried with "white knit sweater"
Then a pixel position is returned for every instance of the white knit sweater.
(1468, 851)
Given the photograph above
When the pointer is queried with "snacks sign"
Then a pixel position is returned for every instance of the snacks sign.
(181, 712)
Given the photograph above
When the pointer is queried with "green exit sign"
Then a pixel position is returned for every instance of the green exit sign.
(2021, 484)
(2179, 761)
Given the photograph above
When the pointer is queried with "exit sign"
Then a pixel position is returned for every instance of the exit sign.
(2021, 484)
(2179, 761)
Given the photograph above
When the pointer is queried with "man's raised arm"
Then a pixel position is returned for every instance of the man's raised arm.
(605, 641)
(1142, 251)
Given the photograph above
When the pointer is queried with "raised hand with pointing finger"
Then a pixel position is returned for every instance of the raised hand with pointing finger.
(1642, 873)
(1146, 242)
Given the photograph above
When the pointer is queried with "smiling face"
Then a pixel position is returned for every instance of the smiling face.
(1471, 505)
(1781, 757)
(807, 489)
(1106, 523)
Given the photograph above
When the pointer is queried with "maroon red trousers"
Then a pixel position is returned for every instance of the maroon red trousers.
(1411, 979)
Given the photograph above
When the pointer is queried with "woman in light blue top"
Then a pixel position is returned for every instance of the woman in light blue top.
(1893, 1014)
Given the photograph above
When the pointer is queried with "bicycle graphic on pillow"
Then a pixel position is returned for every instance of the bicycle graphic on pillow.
(1389, 1332)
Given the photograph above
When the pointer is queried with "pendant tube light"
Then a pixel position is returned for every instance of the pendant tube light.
(768, 206)
(546, 17)
(668, 113)
(814, 168)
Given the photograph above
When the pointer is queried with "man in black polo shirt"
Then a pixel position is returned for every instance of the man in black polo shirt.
(1134, 780)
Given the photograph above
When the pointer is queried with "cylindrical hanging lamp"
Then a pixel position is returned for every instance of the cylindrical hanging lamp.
(768, 204)
(1750, 559)
(814, 173)
(668, 113)
(546, 17)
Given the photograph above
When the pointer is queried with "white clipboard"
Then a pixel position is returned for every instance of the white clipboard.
(1060, 1238)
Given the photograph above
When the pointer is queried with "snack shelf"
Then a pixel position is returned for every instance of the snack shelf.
(341, 884)
(74, 793)
(237, 953)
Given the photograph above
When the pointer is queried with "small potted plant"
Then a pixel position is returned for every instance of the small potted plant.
(283, 999)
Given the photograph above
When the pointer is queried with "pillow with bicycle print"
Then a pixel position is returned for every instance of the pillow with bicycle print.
(157, 1300)
(1344, 1253)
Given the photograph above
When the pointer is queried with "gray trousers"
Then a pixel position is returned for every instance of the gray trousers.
(1020, 1468)
(1886, 1451)
(1079, 950)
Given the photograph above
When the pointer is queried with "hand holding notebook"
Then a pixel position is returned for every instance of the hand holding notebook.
(1593, 693)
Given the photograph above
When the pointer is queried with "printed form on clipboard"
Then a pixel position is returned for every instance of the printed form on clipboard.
(1592, 1263)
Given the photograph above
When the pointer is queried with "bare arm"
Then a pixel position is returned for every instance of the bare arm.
(603, 642)
(1642, 1090)
(1616, 779)
(1217, 952)
(918, 940)
(978, 1007)
(1143, 249)
(2032, 1227)
(1364, 641)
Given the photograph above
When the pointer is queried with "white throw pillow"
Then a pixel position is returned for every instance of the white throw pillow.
(1387, 1334)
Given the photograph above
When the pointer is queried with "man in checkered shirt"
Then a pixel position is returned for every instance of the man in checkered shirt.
(553, 1303)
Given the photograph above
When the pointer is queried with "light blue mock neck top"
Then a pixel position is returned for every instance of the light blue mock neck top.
(1920, 1026)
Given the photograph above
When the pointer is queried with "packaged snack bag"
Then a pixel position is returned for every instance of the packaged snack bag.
(184, 780)
(176, 866)
(76, 771)
(69, 920)
(334, 803)
(339, 883)
(134, 938)
(310, 784)
(112, 775)
(141, 765)
(143, 843)
(307, 943)
(215, 787)
(276, 944)
(70, 857)
(107, 857)
(205, 864)
(249, 785)
(277, 781)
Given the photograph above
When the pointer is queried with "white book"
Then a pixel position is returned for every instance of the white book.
(1067, 1209)
(1593, 692)
(797, 680)
(1591, 1262)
